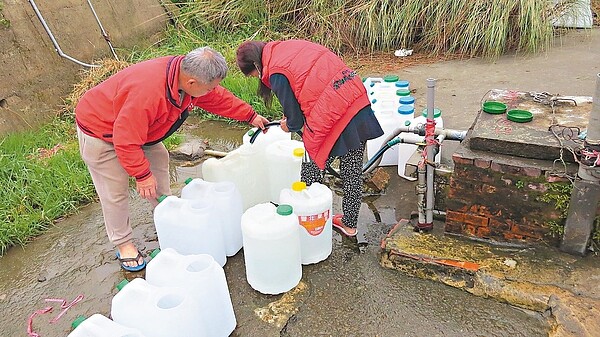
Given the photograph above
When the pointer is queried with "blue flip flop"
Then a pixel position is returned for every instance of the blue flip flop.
(131, 259)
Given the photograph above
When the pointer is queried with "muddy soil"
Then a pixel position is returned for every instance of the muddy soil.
(349, 294)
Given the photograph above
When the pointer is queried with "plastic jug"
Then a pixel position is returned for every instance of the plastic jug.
(202, 278)
(405, 149)
(389, 121)
(262, 140)
(313, 206)
(284, 162)
(244, 167)
(271, 248)
(228, 206)
(188, 226)
(99, 325)
(157, 311)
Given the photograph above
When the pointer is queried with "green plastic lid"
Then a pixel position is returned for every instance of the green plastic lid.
(121, 285)
(162, 197)
(188, 180)
(402, 92)
(436, 112)
(250, 132)
(154, 253)
(78, 320)
(391, 78)
(407, 123)
(284, 210)
(519, 116)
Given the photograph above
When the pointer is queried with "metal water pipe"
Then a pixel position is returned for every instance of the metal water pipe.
(585, 195)
(54, 42)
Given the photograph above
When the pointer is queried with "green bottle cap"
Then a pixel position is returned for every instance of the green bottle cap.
(121, 285)
(154, 253)
(284, 210)
(391, 78)
(188, 180)
(161, 198)
(436, 112)
(403, 92)
(250, 132)
(78, 320)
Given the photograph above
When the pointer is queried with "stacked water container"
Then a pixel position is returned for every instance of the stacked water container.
(182, 295)
(271, 248)
(313, 207)
(99, 325)
(406, 148)
(385, 95)
(259, 169)
(189, 227)
(228, 207)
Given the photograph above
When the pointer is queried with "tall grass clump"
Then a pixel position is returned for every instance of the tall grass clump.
(43, 179)
(470, 27)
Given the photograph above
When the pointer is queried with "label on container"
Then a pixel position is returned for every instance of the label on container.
(314, 224)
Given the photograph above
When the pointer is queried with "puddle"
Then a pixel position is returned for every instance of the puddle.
(348, 294)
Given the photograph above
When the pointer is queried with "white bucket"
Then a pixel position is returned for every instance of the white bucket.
(99, 325)
(188, 226)
(271, 248)
(203, 278)
(313, 206)
(157, 311)
(228, 206)
(284, 162)
(244, 167)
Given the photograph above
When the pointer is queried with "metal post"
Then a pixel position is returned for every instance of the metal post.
(586, 189)
(430, 148)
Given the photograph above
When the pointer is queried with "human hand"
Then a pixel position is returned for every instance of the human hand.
(283, 125)
(259, 121)
(147, 188)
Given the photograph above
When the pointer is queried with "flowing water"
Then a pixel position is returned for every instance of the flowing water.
(348, 294)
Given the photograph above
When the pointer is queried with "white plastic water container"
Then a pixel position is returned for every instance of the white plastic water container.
(405, 150)
(228, 206)
(284, 162)
(244, 167)
(157, 311)
(313, 206)
(188, 226)
(263, 139)
(389, 121)
(271, 248)
(99, 325)
(202, 278)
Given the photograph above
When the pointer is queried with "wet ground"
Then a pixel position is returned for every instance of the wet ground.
(349, 294)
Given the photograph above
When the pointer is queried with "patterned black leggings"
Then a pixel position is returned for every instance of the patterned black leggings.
(351, 174)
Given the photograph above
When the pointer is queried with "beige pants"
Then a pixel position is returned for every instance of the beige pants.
(112, 181)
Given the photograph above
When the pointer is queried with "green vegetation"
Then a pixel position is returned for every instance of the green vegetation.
(558, 194)
(43, 179)
(42, 174)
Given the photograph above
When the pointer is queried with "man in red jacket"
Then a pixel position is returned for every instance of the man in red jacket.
(122, 122)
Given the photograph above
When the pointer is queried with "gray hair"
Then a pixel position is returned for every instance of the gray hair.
(205, 65)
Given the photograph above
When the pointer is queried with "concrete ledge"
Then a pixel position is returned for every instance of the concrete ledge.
(540, 279)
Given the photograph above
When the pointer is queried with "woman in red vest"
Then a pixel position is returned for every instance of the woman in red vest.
(325, 100)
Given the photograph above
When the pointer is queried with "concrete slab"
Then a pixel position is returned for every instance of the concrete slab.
(555, 125)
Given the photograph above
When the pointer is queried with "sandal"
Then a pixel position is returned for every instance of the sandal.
(337, 223)
(139, 267)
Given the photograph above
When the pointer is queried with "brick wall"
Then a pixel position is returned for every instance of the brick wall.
(499, 198)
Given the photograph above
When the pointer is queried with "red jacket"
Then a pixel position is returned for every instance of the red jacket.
(329, 93)
(141, 105)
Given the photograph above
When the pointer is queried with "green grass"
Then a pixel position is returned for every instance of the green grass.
(38, 190)
(38, 186)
